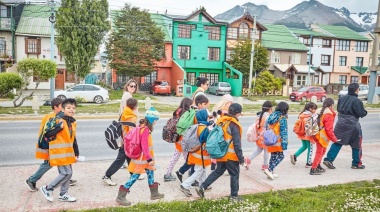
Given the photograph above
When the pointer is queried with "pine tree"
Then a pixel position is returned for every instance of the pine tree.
(81, 27)
(135, 43)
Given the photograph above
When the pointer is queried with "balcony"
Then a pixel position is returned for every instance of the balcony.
(5, 24)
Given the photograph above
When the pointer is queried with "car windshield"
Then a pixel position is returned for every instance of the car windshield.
(224, 84)
(302, 89)
(164, 83)
(345, 88)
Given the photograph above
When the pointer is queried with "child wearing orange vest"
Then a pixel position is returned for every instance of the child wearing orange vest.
(278, 121)
(146, 162)
(326, 119)
(62, 153)
(183, 107)
(307, 141)
(200, 159)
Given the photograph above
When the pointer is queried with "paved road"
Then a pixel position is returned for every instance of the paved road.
(18, 138)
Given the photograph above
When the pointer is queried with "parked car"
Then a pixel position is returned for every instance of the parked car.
(220, 88)
(88, 92)
(363, 92)
(160, 87)
(306, 93)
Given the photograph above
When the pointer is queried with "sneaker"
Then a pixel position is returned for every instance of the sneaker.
(66, 198)
(142, 176)
(358, 167)
(269, 174)
(125, 165)
(293, 159)
(264, 167)
(168, 178)
(31, 186)
(314, 172)
(329, 164)
(275, 175)
(200, 191)
(195, 184)
(247, 161)
(308, 165)
(236, 199)
(47, 194)
(73, 182)
(320, 169)
(108, 181)
(179, 176)
(185, 191)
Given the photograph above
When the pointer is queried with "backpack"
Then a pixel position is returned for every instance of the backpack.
(270, 137)
(216, 146)
(186, 120)
(190, 141)
(51, 124)
(132, 143)
(311, 126)
(299, 127)
(169, 133)
(112, 133)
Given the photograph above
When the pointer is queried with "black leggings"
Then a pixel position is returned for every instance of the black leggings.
(118, 163)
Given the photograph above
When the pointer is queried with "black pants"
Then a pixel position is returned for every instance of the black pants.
(119, 161)
(233, 169)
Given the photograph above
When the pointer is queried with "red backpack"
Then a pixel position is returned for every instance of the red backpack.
(132, 143)
(299, 127)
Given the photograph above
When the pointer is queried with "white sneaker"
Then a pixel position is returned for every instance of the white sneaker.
(274, 175)
(108, 181)
(269, 174)
(142, 176)
(47, 194)
(67, 198)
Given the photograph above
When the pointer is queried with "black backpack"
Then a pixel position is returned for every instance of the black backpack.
(114, 132)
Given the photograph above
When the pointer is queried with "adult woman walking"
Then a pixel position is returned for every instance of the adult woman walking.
(202, 84)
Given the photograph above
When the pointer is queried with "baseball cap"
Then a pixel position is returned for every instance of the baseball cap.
(234, 109)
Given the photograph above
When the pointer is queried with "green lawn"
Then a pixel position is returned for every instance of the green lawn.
(356, 196)
(117, 94)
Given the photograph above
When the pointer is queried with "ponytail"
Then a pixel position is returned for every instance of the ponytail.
(327, 103)
(267, 105)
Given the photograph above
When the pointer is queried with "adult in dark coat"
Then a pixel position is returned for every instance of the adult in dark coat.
(348, 129)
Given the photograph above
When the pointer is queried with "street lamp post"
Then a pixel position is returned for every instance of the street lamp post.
(308, 71)
(52, 21)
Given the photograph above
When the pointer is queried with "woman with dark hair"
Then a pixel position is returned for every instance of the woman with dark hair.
(202, 84)
(279, 123)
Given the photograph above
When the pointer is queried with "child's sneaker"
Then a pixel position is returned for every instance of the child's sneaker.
(264, 167)
(168, 178)
(185, 191)
(108, 181)
(308, 165)
(66, 198)
(269, 174)
(293, 159)
(179, 176)
(73, 182)
(31, 186)
(47, 194)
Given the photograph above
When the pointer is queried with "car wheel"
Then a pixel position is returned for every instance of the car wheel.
(63, 97)
(323, 98)
(304, 99)
(154, 93)
(98, 99)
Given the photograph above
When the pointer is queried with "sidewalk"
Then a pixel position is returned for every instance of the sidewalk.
(92, 193)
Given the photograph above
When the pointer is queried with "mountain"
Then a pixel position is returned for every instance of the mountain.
(303, 14)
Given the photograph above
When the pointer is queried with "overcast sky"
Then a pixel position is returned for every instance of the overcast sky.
(214, 7)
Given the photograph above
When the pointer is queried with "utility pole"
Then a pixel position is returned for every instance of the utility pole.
(252, 55)
(375, 66)
(308, 70)
(52, 21)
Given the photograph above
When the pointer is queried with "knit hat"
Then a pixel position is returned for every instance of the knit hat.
(152, 115)
(353, 87)
(234, 109)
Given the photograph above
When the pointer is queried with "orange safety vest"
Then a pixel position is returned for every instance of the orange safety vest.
(138, 166)
(276, 128)
(61, 151)
(195, 158)
(43, 153)
(231, 155)
(322, 137)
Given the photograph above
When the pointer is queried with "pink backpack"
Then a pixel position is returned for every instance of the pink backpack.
(132, 143)
(252, 133)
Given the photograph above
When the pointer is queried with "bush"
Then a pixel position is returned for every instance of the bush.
(8, 82)
(266, 82)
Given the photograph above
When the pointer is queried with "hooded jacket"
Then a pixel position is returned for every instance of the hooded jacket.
(128, 115)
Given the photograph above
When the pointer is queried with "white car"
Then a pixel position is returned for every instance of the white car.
(363, 92)
(220, 88)
(88, 92)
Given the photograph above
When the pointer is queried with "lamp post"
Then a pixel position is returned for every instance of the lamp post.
(52, 21)
(308, 70)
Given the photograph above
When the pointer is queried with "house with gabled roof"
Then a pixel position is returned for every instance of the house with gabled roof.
(351, 54)
(287, 55)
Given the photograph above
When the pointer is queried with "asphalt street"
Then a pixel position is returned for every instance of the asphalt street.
(18, 138)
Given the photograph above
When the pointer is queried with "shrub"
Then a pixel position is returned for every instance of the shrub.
(8, 82)
(266, 82)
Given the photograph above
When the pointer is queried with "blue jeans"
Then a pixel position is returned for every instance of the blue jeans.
(335, 148)
(44, 167)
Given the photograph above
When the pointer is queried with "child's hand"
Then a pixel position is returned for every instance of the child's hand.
(151, 163)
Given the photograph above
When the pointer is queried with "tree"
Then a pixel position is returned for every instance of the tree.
(81, 27)
(266, 82)
(41, 69)
(135, 44)
(8, 82)
(241, 58)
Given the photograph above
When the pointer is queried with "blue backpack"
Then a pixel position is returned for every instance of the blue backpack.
(216, 146)
(270, 138)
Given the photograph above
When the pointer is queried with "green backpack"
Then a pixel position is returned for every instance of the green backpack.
(185, 121)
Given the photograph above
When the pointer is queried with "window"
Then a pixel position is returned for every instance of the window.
(342, 79)
(354, 79)
(296, 58)
(213, 32)
(229, 53)
(232, 33)
(243, 30)
(183, 52)
(343, 45)
(301, 80)
(90, 88)
(275, 57)
(2, 46)
(309, 59)
(70, 77)
(212, 78)
(184, 30)
(325, 60)
(326, 43)
(32, 46)
(307, 41)
(213, 54)
(342, 60)
(359, 61)
(78, 88)
(150, 78)
(361, 46)
(4, 11)
(190, 76)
